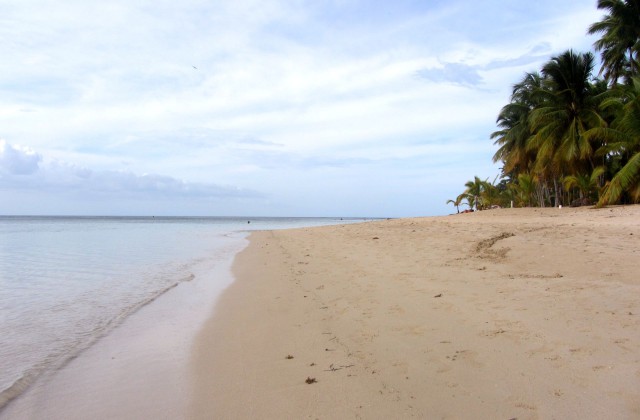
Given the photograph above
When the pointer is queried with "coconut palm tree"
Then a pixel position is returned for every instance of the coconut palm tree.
(620, 41)
(524, 189)
(515, 129)
(458, 201)
(623, 144)
(585, 183)
(491, 195)
(564, 128)
(474, 192)
(570, 108)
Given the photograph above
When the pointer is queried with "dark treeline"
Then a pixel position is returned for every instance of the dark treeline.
(570, 136)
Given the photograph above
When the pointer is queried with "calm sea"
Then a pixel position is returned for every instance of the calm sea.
(67, 281)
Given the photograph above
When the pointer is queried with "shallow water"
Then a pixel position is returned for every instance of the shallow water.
(66, 282)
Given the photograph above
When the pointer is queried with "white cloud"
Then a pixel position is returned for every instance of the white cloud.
(280, 86)
(17, 160)
(25, 169)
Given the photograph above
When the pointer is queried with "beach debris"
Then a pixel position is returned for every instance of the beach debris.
(311, 380)
(375, 237)
(333, 368)
(329, 349)
(438, 295)
(289, 357)
(312, 364)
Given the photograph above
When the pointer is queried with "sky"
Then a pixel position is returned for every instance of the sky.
(347, 108)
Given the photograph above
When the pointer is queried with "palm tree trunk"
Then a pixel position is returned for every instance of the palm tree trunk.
(540, 194)
(547, 191)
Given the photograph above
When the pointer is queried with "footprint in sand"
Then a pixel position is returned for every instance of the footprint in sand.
(466, 356)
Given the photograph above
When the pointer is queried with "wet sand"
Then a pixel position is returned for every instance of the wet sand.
(515, 313)
(140, 369)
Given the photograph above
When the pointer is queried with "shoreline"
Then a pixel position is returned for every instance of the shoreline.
(139, 368)
(526, 313)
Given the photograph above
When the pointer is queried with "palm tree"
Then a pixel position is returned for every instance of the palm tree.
(570, 108)
(620, 41)
(491, 195)
(474, 192)
(525, 189)
(585, 183)
(458, 201)
(515, 129)
(565, 132)
(623, 144)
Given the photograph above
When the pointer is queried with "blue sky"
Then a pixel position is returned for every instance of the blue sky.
(261, 108)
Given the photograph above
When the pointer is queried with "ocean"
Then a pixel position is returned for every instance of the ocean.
(66, 282)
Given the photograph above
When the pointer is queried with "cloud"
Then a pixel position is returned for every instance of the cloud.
(538, 53)
(283, 91)
(154, 186)
(25, 169)
(456, 73)
(18, 160)
(469, 75)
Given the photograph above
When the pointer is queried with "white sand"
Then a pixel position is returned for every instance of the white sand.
(524, 313)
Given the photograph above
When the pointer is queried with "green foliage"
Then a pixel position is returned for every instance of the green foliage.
(566, 134)
(622, 143)
(586, 184)
(458, 201)
(524, 189)
(619, 46)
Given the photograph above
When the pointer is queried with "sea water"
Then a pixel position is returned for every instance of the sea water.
(65, 282)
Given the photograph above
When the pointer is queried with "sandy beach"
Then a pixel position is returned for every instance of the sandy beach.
(514, 313)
